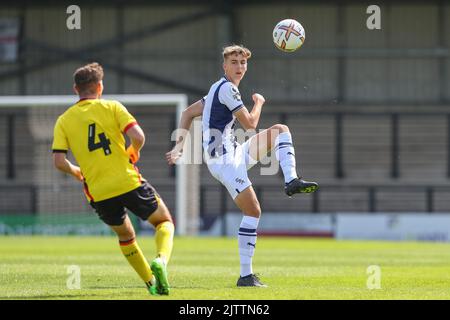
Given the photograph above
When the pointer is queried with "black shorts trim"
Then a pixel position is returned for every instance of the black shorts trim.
(142, 201)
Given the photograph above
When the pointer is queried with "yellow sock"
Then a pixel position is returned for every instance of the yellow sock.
(133, 253)
(164, 239)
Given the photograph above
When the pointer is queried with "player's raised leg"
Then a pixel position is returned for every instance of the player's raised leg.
(162, 221)
(249, 205)
(279, 139)
(132, 251)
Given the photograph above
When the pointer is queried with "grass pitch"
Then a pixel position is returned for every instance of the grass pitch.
(207, 268)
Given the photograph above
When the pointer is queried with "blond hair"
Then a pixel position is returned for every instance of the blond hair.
(236, 49)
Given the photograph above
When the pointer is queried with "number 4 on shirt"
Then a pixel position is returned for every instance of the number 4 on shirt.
(103, 144)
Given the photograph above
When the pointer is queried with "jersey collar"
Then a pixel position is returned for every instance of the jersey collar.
(83, 99)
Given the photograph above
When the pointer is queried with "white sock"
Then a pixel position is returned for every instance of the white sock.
(247, 242)
(285, 153)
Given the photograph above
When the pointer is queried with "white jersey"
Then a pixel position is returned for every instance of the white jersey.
(218, 119)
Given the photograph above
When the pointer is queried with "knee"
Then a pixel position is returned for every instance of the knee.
(125, 235)
(161, 215)
(280, 128)
(159, 220)
(254, 210)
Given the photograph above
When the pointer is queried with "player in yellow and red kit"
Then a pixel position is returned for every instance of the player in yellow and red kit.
(93, 129)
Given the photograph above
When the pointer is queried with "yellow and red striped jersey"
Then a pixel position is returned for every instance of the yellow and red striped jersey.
(93, 130)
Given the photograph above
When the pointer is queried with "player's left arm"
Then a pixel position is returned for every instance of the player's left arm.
(129, 126)
(61, 163)
(137, 139)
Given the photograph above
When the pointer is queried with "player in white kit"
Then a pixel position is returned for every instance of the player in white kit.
(228, 161)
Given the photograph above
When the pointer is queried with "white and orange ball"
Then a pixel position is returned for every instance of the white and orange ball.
(288, 35)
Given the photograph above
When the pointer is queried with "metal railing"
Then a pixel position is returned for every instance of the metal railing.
(10, 167)
(371, 191)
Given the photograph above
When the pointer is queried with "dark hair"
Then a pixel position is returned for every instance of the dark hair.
(87, 77)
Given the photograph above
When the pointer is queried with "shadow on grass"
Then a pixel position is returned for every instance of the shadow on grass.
(55, 296)
(114, 287)
(81, 294)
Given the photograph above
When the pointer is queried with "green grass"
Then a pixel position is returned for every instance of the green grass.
(207, 268)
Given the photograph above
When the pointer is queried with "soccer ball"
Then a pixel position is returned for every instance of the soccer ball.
(288, 35)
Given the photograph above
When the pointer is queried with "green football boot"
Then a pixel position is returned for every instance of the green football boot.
(159, 271)
(153, 290)
(151, 287)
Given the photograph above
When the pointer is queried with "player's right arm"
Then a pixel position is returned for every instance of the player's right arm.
(187, 116)
(60, 147)
(250, 120)
(61, 163)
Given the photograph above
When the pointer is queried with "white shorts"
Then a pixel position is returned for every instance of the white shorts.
(231, 168)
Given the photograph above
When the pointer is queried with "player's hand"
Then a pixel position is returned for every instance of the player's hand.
(77, 174)
(133, 154)
(258, 99)
(173, 155)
